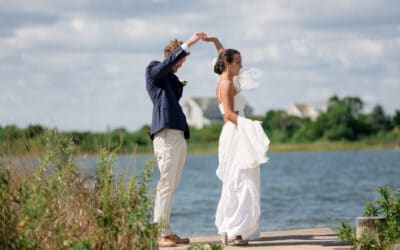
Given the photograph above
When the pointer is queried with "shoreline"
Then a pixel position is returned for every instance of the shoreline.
(212, 148)
(311, 146)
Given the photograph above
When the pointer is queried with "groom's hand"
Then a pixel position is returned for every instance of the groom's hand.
(195, 38)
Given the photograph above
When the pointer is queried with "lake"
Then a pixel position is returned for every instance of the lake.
(298, 189)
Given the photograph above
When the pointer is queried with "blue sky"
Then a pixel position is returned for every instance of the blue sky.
(79, 64)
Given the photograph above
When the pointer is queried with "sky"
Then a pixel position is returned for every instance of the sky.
(79, 64)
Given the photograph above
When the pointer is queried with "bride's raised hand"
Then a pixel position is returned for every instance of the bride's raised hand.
(209, 38)
(216, 42)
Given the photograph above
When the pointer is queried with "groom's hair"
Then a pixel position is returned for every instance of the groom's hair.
(173, 44)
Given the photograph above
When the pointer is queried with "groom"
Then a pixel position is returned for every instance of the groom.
(168, 130)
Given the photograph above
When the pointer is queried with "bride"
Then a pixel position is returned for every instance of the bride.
(242, 148)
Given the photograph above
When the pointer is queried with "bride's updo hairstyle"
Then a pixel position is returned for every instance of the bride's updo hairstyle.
(225, 55)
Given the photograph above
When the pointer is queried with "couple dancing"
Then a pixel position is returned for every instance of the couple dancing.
(242, 144)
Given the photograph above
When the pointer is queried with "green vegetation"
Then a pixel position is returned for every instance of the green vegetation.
(343, 126)
(54, 206)
(343, 121)
(385, 234)
(206, 246)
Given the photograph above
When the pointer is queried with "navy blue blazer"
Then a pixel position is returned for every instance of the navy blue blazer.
(165, 90)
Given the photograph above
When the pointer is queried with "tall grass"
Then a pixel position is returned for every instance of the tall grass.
(55, 206)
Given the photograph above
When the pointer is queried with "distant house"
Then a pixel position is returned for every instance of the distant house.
(304, 110)
(202, 111)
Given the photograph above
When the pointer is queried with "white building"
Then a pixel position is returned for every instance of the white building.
(202, 111)
(306, 110)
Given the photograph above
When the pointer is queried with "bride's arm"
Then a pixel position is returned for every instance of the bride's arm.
(217, 43)
(227, 93)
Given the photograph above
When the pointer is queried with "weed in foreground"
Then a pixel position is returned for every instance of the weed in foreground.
(385, 234)
(54, 208)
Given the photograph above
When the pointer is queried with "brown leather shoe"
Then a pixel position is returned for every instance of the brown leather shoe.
(178, 240)
(166, 242)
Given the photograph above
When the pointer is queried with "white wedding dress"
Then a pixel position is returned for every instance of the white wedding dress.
(241, 150)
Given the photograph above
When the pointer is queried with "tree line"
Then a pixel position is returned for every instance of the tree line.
(344, 120)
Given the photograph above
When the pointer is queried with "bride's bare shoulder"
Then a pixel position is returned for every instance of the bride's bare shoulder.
(225, 82)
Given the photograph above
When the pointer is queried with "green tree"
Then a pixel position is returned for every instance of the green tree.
(209, 133)
(396, 118)
(141, 137)
(34, 130)
(282, 127)
(340, 121)
(355, 105)
(271, 123)
(379, 120)
(10, 132)
(302, 134)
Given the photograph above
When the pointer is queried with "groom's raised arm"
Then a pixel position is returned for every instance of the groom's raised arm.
(159, 69)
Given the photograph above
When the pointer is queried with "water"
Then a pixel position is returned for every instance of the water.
(298, 189)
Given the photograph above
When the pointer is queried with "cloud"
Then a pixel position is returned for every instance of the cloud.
(79, 64)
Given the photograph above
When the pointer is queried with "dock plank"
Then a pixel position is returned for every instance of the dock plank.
(310, 239)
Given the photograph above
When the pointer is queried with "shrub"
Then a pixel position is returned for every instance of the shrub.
(386, 234)
(55, 207)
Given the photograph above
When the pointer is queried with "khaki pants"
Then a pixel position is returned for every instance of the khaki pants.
(170, 150)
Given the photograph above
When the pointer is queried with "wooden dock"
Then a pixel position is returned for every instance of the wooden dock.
(307, 239)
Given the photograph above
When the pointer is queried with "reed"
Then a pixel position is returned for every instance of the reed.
(54, 206)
